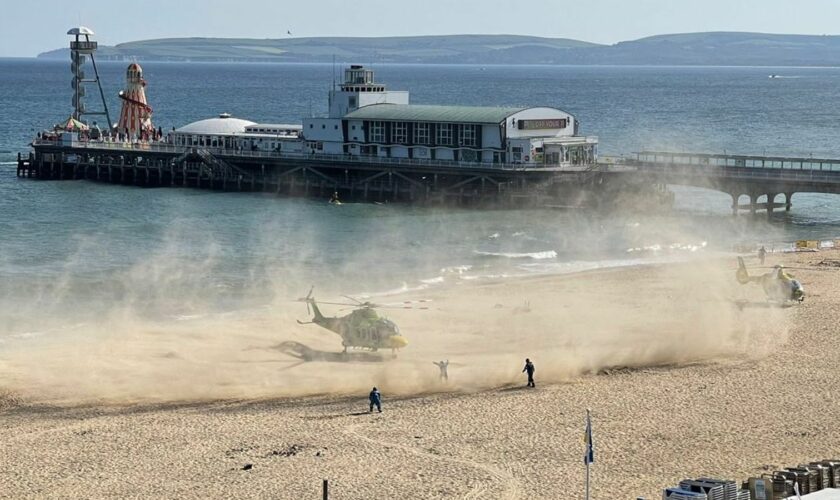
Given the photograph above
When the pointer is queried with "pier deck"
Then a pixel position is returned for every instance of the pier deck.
(360, 179)
(760, 178)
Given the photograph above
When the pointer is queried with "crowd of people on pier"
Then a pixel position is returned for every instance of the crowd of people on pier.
(95, 133)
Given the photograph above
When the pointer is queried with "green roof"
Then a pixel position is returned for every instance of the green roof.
(422, 113)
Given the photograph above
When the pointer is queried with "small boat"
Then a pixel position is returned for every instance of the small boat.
(773, 76)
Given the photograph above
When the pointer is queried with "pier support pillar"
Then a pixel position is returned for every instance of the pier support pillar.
(788, 197)
(771, 203)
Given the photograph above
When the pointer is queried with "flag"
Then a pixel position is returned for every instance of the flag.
(589, 456)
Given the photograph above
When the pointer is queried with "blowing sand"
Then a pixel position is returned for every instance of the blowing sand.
(680, 381)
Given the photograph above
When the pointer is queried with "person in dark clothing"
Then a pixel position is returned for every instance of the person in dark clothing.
(529, 367)
(443, 365)
(375, 399)
(762, 252)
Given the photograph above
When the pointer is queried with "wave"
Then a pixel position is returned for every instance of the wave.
(688, 247)
(404, 288)
(547, 254)
(432, 281)
(456, 269)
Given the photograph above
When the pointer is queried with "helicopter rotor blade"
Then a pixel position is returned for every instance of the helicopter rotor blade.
(407, 304)
(310, 301)
(357, 301)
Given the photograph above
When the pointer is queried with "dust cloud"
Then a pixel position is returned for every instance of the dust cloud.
(154, 331)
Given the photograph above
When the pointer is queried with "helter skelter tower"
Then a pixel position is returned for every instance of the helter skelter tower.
(80, 50)
(136, 114)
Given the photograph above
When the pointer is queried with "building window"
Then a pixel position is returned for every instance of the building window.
(421, 133)
(336, 127)
(323, 126)
(377, 131)
(468, 135)
(399, 133)
(444, 134)
(352, 101)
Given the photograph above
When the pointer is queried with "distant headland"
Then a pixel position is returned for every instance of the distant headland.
(701, 49)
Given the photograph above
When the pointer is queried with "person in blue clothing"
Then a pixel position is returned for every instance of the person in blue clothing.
(375, 399)
(529, 367)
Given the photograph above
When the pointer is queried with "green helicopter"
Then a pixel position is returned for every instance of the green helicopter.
(363, 328)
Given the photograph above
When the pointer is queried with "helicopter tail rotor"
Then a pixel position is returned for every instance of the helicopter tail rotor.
(308, 299)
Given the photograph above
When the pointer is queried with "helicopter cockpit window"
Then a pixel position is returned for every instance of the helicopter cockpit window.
(390, 324)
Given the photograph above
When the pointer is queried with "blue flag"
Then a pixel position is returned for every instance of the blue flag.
(589, 457)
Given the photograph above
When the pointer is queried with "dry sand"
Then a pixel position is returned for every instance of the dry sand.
(142, 410)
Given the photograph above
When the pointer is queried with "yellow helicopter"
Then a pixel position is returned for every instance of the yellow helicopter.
(778, 285)
(363, 328)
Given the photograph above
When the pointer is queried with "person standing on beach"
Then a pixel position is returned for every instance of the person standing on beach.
(762, 252)
(375, 399)
(443, 365)
(529, 367)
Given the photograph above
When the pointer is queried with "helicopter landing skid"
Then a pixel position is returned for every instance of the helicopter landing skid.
(306, 353)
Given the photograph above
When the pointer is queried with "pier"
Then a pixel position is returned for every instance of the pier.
(354, 178)
(755, 183)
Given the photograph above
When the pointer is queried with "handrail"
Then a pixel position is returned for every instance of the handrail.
(314, 157)
(731, 173)
(777, 163)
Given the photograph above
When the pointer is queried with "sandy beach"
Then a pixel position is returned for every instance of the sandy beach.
(686, 373)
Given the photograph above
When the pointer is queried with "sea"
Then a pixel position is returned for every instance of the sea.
(70, 250)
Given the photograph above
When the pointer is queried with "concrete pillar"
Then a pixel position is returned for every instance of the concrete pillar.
(788, 197)
(771, 202)
(753, 204)
(735, 198)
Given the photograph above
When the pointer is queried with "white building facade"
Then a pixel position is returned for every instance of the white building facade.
(366, 119)
(228, 133)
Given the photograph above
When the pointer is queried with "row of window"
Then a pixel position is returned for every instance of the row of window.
(445, 134)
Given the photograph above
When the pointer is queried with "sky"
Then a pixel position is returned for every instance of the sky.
(31, 28)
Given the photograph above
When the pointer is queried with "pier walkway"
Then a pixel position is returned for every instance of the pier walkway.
(760, 178)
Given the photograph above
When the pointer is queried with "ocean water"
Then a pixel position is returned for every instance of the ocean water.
(70, 250)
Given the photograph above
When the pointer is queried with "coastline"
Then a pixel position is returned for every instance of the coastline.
(730, 413)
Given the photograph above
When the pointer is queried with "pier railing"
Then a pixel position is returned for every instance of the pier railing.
(160, 147)
(734, 161)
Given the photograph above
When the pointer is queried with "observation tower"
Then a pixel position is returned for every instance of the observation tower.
(80, 50)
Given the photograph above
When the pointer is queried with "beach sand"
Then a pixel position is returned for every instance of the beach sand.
(680, 379)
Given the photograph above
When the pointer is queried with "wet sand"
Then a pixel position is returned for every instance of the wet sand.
(694, 385)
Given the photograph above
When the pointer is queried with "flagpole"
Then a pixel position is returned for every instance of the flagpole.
(587, 458)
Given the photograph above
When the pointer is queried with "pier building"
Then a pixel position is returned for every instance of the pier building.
(228, 133)
(367, 119)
